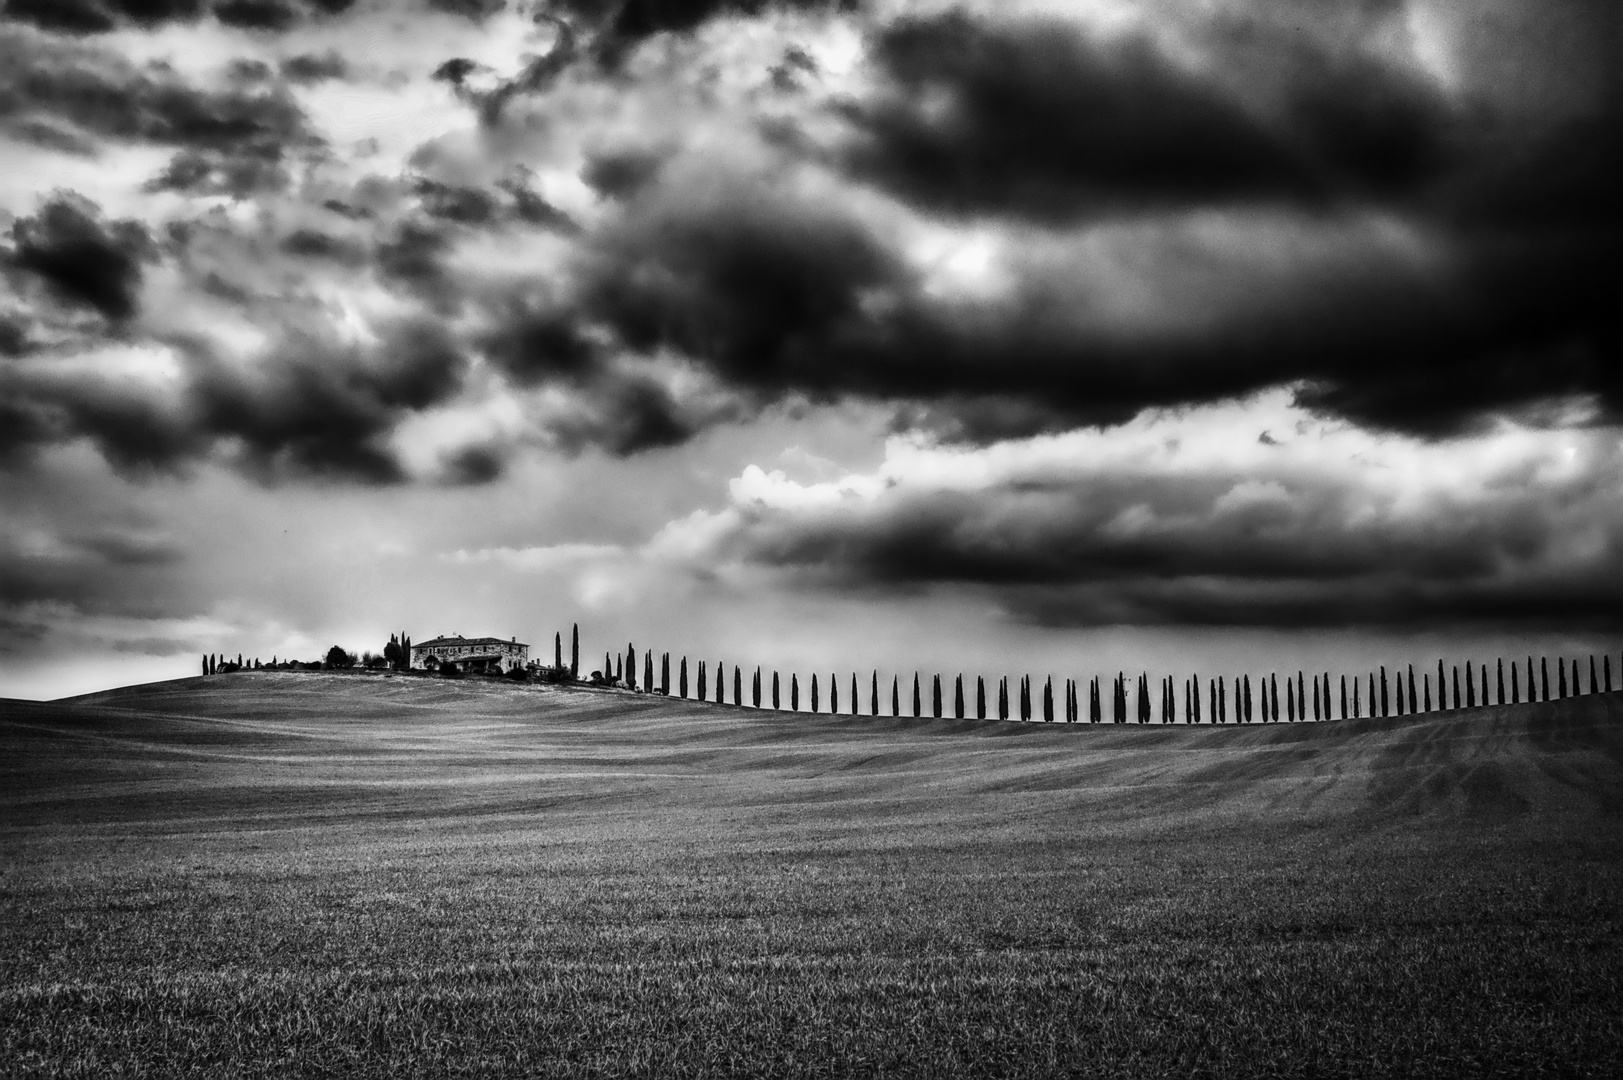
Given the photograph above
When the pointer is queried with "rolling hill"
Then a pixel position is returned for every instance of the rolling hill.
(365, 874)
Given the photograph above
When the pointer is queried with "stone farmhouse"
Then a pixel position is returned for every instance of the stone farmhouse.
(481, 654)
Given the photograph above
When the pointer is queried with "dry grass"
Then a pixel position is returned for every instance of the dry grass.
(326, 874)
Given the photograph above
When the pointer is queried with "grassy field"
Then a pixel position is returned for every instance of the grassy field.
(280, 873)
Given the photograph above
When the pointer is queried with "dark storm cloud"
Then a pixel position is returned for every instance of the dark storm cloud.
(318, 408)
(625, 22)
(308, 68)
(626, 414)
(475, 10)
(1191, 542)
(81, 258)
(1039, 119)
(258, 14)
(1494, 299)
(312, 406)
(82, 17)
(233, 140)
(100, 16)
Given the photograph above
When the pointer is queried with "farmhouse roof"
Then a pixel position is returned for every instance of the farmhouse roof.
(458, 639)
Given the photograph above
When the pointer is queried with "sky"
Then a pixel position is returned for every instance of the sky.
(998, 336)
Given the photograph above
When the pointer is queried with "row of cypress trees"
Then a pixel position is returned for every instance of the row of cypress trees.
(1387, 694)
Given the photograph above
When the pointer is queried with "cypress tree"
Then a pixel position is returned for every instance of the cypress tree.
(1483, 672)
(1003, 697)
(794, 692)
(958, 697)
(1458, 697)
(557, 649)
(1501, 674)
(1442, 688)
(776, 701)
(1357, 708)
(1344, 697)
(1594, 684)
(814, 700)
(980, 697)
(608, 667)
(1096, 705)
(873, 694)
(738, 685)
(205, 663)
(1048, 700)
(1412, 699)
(918, 701)
(855, 699)
(1427, 681)
(1470, 687)
(1386, 701)
(1561, 672)
(703, 685)
(682, 679)
(834, 692)
(935, 696)
(1316, 714)
(755, 689)
(1399, 681)
(1248, 699)
(895, 695)
(1575, 690)
(1606, 671)
(574, 652)
(1515, 683)
(665, 673)
(1543, 678)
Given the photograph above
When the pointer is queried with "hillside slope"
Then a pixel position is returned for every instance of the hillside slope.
(280, 873)
(248, 743)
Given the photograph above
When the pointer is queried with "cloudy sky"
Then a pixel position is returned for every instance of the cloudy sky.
(825, 334)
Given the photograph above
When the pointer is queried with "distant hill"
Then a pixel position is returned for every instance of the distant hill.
(237, 738)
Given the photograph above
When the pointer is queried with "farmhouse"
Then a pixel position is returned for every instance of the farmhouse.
(470, 654)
